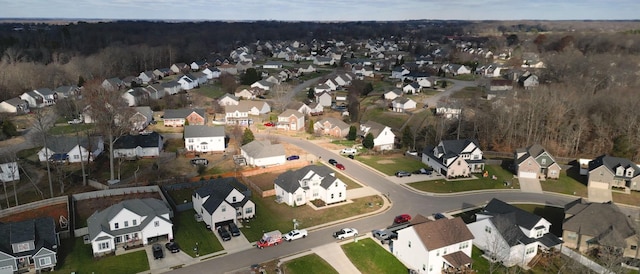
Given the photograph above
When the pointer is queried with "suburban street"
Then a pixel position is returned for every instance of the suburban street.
(458, 85)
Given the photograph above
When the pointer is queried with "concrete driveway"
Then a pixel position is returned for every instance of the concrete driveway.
(530, 185)
(236, 244)
(169, 261)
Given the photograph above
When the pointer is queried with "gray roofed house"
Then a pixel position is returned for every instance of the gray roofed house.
(455, 158)
(606, 172)
(71, 149)
(535, 162)
(222, 201)
(14, 105)
(297, 187)
(204, 138)
(141, 118)
(28, 244)
(263, 153)
(203, 131)
(590, 225)
(130, 222)
(178, 117)
(502, 230)
(332, 127)
(138, 146)
(383, 137)
(67, 91)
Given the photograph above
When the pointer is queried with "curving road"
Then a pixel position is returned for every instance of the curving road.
(403, 200)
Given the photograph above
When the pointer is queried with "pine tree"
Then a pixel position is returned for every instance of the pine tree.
(353, 131)
(310, 126)
(368, 141)
(247, 137)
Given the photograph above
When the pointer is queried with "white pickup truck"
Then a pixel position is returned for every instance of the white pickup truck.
(295, 234)
(345, 233)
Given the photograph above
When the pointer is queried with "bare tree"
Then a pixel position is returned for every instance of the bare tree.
(43, 119)
(14, 176)
(110, 113)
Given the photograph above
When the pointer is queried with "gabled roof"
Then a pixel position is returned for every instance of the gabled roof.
(441, 233)
(245, 106)
(402, 100)
(534, 151)
(198, 131)
(218, 189)
(230, 96)
(42, 231)
(612, 163)
(522, 218)
(396, 91)
(45, 91)
(374, 128)
(64, 144)
(290, 112)
(263, 149)
(290, 180)
(16, 101)
(335, 123)
(143, 140)
(182, 113)
(451, 148)
(149, 207)
(603, 221)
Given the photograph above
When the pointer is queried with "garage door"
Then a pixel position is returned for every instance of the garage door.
(6, 270)
(530, 175)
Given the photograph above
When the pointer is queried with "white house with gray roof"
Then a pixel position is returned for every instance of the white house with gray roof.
(9, 171)
(28, 245)
(71, 149)
(14, 105)
(222, 201)
(383, 137)
(204, 138)
(297, 187)
(263, 153)
(455, 158)
(130, 222)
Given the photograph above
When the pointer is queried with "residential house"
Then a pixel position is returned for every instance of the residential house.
(184, 116)
(113, 84)
(392, 94)
(223, 201)
(403, 104)
(323, 61)
(199, 77)
(272, 65)
(136, 96)
(199, 65)
(454, 158)
(320, 88)
(291, 119)
(590, 226)
(228, 68)
(457, 69)
(332, 127)
(362, 71)
(129, 223)
(180, 68)
(162, 72)
(141, 118)
(212, 73)
(528, 80)
(204, 138)
(243, 65)
(607, 172)
(228, 100)
(263, 84)
(171, 87)
(511, 235)
(297, 187)
(399, 72)
(315, 109)
(147, 77)
(300, 107)
(535, 162)
(239, 114)
(188, 82)
(28, 246)
(67, 91)
(42, 97)
(383, 137)
(440, 246)
(14, 105)
(71, 149)
(263, 153)
(412, 88)
(138, 146)
(155, 91)
(324, 99)
(9, 172)
(302, 69)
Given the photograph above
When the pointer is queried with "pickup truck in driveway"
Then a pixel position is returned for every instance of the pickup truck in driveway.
(345, 233)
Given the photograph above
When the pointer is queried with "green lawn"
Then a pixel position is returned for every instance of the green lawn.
(350, 183)
(188, 232)
(77, 257)
(68, 129)
(387, 118)
(213, 91)
(370, 257)
(442, 186)
(567, 184)
(310, 264)
(389, 164)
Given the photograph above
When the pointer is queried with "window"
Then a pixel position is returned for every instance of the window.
(249, 210)
(104, 245)
(340, 194)
(332, 195)
(539, 233)
(126, 223)
(572, 236)
(633, 247)
(233, 199)
(156, 223)
(223, 208)
(116, 225)
(530, 250)
(409, 243)
(543, 161)
(464, 245)
(45, 261)
(629, 173)
(76, 157)
(135, 222)
(487, 229)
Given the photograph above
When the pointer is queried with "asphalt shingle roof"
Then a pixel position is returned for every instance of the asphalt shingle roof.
(182, 113)
(149, 207)
(197, 131)
(42, 231)
(142, 140)
(603, 221)
(290, 180)
(218, 189)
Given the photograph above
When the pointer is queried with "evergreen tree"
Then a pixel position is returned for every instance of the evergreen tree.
(9, 129)
(81, 81)
(367, 89)
(368, 141)
(407, 137)
(353, 131)
(311, 93)
(310, 126)
(250, 76)
(247, 137)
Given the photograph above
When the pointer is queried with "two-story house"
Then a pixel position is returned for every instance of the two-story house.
(28, 245)
(535, 162)
(613, 172)
(511, 235)
(454, 158)
(184, 116)
(14, 105)
(222, 201)
(383, 137)
(204, 138)
(129, 223)
(332, 127)
(297, 187)
(290, 119)
(434, 246)
(241, 113)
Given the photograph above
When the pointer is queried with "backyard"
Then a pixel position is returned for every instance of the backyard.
(387, 118)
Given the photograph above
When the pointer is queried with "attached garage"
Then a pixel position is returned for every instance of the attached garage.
(529, 175)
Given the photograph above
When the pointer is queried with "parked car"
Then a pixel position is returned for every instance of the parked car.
(157, 251)
(348, 151)
(340, 166)
(199, 162)
(269, 124)
(173, 247)
(75, 121)
(295, 234)
(423, 171)
(224, 234)
(439, 216)
(403, 173)
(233, 228)
(333, 162)
(293, 157)
(403, 218)
(269, 239)
(345, 233)
(351, 156)
(412, 152)
(380, 234)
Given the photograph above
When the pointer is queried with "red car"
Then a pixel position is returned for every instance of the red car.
(340, 166)
(269, 124)
(402, 218)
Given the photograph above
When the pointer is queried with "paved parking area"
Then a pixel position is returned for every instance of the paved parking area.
(170, 259)
(235, 244)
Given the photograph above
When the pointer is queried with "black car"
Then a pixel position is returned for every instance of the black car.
(403, 174)
(333, 162)
(233, 228)
(439, 216)
(157, 251)
(224, 234)
(173, 247)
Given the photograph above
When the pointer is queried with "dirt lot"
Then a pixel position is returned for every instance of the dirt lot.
(53, 211)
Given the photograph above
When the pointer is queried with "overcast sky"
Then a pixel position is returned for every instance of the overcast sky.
(322, 10)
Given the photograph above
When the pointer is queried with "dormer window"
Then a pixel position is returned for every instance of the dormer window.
(233, 199)
(629, 173)
(543, 161)
(116, 225)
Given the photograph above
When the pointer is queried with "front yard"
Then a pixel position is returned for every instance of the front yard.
(479, 183)
(76, 257)
(369, 257)
(310, 264)
(390, 163)
(188, 232)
